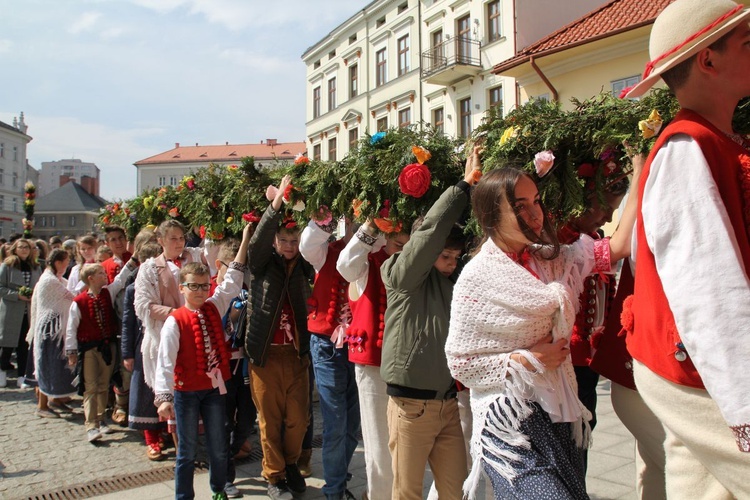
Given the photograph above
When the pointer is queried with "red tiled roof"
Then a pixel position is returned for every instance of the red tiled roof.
(612, 18)
(229, 153)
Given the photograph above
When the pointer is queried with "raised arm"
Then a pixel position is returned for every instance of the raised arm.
(260, 249)
(620, 243)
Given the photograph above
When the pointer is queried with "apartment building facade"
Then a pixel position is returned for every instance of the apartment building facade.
(14, 172)
(55, 174)
(400, 62)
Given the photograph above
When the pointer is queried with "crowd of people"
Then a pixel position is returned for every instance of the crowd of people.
(479, 358)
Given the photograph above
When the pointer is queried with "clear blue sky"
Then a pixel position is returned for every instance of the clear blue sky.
(116, 81)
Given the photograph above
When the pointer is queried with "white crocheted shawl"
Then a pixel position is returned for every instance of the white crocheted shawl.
(147, 293)
(500, 308)
(50, 307)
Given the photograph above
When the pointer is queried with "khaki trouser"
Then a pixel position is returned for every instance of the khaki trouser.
(96, 375)
(423, 431)
(702, 458)
(373, 407)
(280, 393)
(649, 441)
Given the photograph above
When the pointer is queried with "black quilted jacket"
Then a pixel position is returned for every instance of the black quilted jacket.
(271, 279)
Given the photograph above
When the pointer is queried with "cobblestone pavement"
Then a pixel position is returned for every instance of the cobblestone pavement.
(39, 455)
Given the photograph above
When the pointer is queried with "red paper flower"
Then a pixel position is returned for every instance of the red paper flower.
(251, 216)
(586, 170)
(414, 180)
(173, 212)
(301, 159)
(202, 232)
(385, 212)
(288, 193)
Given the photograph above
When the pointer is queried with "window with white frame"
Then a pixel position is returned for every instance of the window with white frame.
(52, 221)
(382, 124)
(403, 55)
(316, 151)
(15, 205)
(2, 202)
(332, 149)
(2, 150)
(496, 99)
(15, 153)
(172, 180)
(438, 119)
(353, 81)
(353, 138)
(493, 21)
(381, 75)
(464, 109)
(162, 180)
(331, 94)
(2, 176)
(404, 117)
(316, 102)
(619, 85)
(72, 221)
(15, 179)
(44, 221)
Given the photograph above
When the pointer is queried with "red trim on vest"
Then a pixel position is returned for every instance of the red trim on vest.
(91, 328)
(365, 334)
(329, 294)
(654, 334)
(188, 376)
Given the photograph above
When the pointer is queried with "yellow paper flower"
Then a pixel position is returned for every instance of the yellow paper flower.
(421, 153)
(651, 127)
(230, 219)
(508, 134)
(148, 201)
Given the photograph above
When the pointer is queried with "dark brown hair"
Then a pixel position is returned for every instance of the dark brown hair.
(677, 77)
(490, 197)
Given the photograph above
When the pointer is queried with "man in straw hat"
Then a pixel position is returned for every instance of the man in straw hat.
(690, 330)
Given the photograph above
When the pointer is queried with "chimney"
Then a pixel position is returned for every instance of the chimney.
(226, 143)
(271, 142)
(176, 145)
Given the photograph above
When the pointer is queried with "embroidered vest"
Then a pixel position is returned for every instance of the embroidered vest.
(365, 334)
(189, 372)
(97, 317)
(329, 294)
(653, 335)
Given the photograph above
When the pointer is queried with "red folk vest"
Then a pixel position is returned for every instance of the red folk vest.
(329, 294)
(652, 335)
(95, 327)
(187, 375)
(112, 268)
(365, 334)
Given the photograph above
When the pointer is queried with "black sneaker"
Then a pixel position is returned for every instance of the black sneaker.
(279, 491)
(294, 479)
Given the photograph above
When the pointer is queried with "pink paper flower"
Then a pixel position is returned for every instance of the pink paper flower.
(543, 162)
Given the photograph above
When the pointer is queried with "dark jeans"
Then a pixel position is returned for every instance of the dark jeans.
(241, 415)
(189, 406)
(307, 442)
(587, 382)
(339, 405)
(22, 350)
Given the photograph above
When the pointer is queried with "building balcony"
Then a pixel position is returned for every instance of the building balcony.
(453, 60)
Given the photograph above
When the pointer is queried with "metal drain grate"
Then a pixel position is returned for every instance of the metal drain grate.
(111, 485)
(128, 481)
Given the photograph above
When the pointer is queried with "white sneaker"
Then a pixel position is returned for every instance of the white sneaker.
(104, 428)
(3, 379)
(93, 434)
(232, 491)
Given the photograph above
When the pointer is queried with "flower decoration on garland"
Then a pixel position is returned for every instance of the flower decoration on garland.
(652, 126)
(301, 159)
(388, 226)
(421, 153)
(543, 162)
(414, 180)
(253, 216)
(376, 138)
(173, 212)
(508, 134)
(323, 215)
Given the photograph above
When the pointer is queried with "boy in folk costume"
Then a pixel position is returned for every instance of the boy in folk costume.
(359, 263)
(116, 240)
(334, 373)
(423, 417)
(688, 333)
(192, 368)
(277, 344)
(90, 339)
(240, 409)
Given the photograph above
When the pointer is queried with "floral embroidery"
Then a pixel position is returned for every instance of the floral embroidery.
(745, 184)
(742, 435)
(602, 260)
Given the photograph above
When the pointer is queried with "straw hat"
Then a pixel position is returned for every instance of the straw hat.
(684, 28)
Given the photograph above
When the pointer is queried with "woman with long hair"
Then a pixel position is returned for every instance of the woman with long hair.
(512, 316)
(49, 318)
(19, 272)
